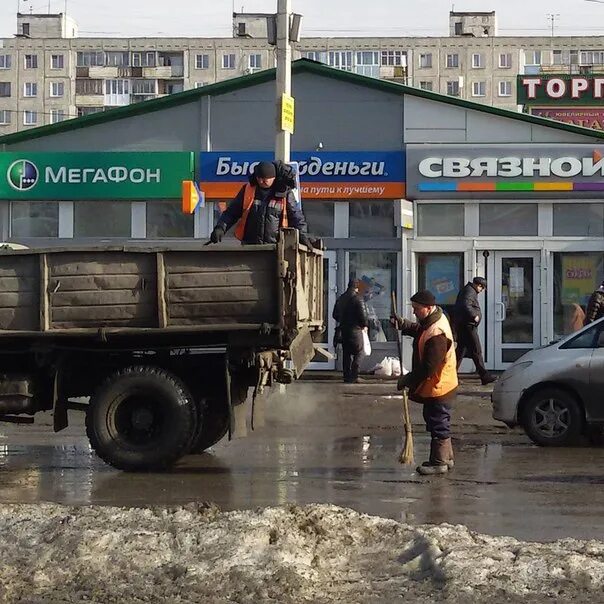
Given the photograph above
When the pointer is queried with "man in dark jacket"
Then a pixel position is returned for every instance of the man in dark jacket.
(433, 377)
(595, 306)
(351, 314)
(466, 318)
(273, 204)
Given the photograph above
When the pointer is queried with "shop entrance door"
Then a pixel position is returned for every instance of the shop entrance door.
(515, 299)
(329, 299)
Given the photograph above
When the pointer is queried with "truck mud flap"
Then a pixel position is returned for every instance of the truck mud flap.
(302, 351)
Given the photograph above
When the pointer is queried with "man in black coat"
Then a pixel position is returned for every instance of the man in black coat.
(595, 306)
(467, 317)
(351, 314)
(273, 181)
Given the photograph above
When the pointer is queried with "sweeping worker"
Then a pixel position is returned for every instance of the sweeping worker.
(432, 380)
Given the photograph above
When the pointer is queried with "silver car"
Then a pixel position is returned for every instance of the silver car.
(556, 393)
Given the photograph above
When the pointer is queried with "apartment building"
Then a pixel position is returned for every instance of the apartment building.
(49, 74)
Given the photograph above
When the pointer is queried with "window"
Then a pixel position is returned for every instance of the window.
(241, 29)
(93, 58)
(479, 88)
(57, 89)
(117, 59)
(34, 219)
(368, 64)
(477, 61)
(137, 60)
(5, 62)
(228, 61)
(144, 87)
(505, 60)
(453, 60)
(202, 61)
(57, 115)
(426, 85)
(505, 88)
(316, 55)
(508, 219)
(5, 117)
(25, 29)
(376, 272)
(82, 111)
(5, 89)
(319, 217)
(394, 57)
(120, 87)
(576, 275)
(532, 57)
(30, 89)
(565, 57)
(30, 118)
(458, 28)
(578, 220)
(149, 59)
(57, 61)
(453, 88)
(442, 274)
(166, 219)
(440, 219)
(425, 60)
(372, 219)
(340, 59)
(31, 61)
(255, 61)
(200, 84)
(591, 57)
(89, 87)
(102, 219)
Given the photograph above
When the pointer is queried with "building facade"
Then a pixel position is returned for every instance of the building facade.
(48, 74)
(408, 189)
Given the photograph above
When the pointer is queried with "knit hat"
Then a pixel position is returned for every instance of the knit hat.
(265, 169)
(480, 281)
(424, 297)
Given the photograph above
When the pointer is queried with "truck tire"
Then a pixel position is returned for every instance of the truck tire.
(140, 419)
(212, 428)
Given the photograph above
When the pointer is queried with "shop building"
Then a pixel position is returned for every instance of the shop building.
(386, 182)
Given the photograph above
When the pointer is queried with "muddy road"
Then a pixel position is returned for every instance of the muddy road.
(326, 442)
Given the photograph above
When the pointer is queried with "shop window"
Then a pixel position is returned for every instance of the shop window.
(376, 272)
(34, 219)
(102, 219)
(166, 219)
(319, 217)
(440, 219)
(508, 219)
(442, 274)
(576, 275)
(372, 219)
(578, 220)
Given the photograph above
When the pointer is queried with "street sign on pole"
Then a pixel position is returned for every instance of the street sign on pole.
(283, 79)
(287, 113)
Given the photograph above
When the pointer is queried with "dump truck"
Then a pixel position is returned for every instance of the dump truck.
(157, 346)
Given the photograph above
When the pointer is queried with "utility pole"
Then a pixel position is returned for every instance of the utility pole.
(283, 77)
(552, 17)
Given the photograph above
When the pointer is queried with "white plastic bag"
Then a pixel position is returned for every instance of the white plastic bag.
(366, 344)
(396, 366)
(383, 368)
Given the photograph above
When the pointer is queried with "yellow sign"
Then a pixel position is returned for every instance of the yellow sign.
(579, 272)
(192, 197)
(287, 113)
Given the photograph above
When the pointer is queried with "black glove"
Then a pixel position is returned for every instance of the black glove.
(305, 240)
(396, 320)
(217, 234)
(403, 381)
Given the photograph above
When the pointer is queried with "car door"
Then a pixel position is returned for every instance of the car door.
(594, 401)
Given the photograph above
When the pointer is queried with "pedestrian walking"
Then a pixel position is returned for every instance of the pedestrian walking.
(595, 306)
(432, 380)
(351, 314)
(466, 319)
(262, 207)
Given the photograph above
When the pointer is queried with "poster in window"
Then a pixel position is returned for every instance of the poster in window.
(442, 278)
(516, 281)
(375, 288)
(579, 274)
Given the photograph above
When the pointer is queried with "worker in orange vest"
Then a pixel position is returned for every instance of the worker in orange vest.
(433, 377)
(262, 207)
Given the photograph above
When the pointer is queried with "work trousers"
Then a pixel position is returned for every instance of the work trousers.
(468, 344)
(438, 419)
(352, 346)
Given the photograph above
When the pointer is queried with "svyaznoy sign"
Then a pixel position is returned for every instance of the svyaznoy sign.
(560, 90)
(80, 176)
(449, 171)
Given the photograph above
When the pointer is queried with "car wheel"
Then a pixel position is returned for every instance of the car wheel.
(553, 418)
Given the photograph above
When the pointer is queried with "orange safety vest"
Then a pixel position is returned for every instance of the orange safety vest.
(445, 379)
(248, 199)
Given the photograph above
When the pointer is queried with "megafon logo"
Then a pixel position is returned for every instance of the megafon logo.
(22, 175)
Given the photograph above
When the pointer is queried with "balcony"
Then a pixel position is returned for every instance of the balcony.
(102, 72)
(89, 100)
(395, 73)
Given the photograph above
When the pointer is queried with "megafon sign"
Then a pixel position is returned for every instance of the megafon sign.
(435, 171)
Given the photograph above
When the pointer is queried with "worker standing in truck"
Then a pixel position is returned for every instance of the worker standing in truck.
(263, 206)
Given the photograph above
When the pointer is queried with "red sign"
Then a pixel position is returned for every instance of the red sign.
(586, 117)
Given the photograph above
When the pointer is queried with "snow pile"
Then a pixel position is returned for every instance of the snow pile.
(317, 553)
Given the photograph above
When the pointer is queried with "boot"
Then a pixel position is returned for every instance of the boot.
(487, 378)
(448, 455)
(437, 464)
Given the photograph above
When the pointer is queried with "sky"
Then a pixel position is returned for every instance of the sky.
(333, 18)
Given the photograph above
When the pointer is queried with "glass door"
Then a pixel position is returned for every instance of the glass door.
(516, 304)
(329, 298)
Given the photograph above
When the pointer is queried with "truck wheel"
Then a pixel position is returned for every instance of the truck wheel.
(141, 418)
(213, 427)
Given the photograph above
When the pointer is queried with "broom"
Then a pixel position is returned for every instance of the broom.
(406, 454)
